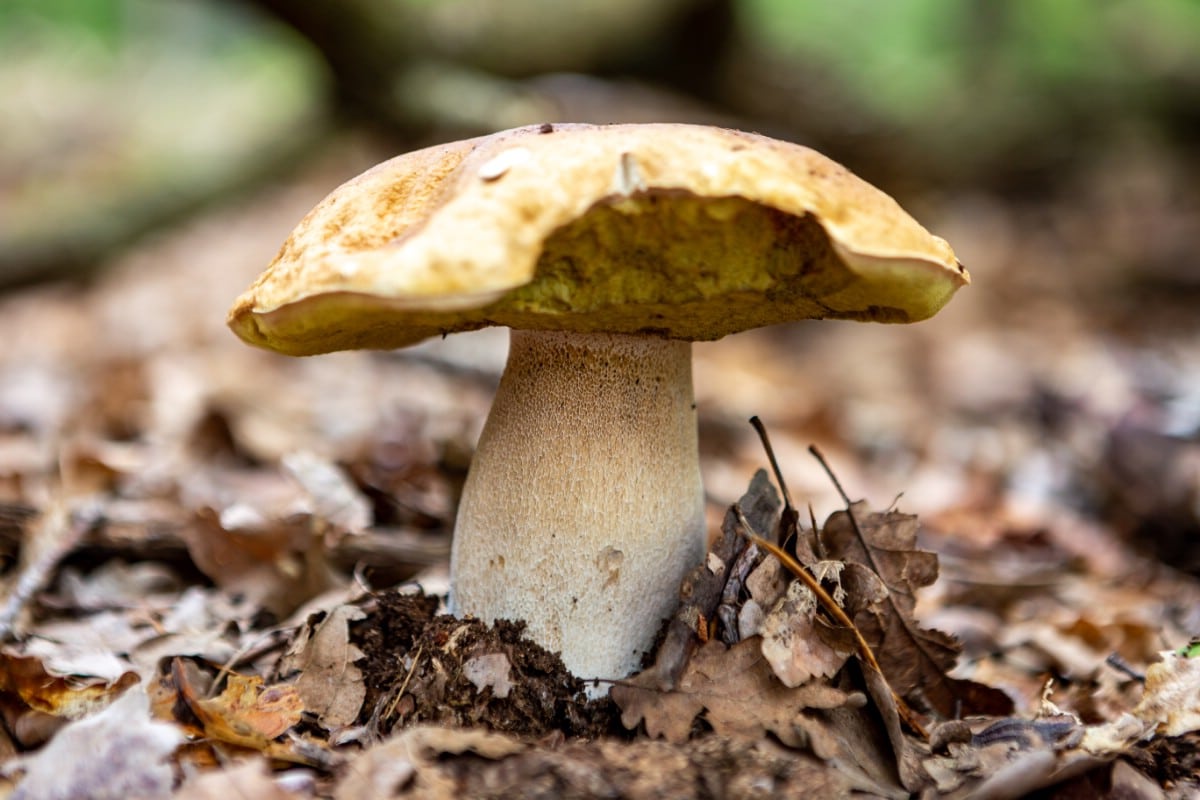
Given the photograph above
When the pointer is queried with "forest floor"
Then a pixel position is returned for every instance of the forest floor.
(223, 568)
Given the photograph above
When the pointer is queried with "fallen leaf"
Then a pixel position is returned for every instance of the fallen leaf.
(69, 648)
(246, 714)
(65, 695)
(791, 643)
(736, 689)
(278, 563)
(115, 754)
(395, 765)
(328, 681)
(915, 660)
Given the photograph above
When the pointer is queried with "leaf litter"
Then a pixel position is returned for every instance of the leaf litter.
(351, 689)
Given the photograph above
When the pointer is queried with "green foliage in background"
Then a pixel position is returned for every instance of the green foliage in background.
(119, 114)
(987, 67)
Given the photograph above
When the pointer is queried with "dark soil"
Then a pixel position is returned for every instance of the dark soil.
(414, 672)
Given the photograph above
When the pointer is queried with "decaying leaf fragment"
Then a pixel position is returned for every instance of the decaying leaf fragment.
(736, 691)
(489, 671)
(1172, 696)
(328, 681)
(792, 644)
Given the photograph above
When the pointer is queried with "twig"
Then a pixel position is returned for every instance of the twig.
(817, 545)
(868, 554)
(788, 534)
(766, 443)
(404, 686)
(1118, 663)
(812, 448)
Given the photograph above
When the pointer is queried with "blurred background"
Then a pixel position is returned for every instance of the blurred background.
(154, 155)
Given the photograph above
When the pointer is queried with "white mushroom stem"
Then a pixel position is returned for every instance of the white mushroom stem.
(584, 508)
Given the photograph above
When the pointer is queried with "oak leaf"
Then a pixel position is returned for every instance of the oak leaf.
(914, 659)
(735, 690)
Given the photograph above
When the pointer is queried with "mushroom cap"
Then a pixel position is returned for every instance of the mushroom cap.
(681, 231)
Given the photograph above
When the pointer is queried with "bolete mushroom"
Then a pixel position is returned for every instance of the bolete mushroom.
(606, 250)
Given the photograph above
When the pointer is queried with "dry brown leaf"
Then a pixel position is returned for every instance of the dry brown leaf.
(915, 660)
(246, 714)
(60, 694)
(791, 642)
(736, 690)
(278, 563)
(392, 766)
(328, 681)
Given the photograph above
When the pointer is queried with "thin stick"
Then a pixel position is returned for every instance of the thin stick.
(812, 448)
(766, 443)
(817, 544)
(404, 686)
(870, 556)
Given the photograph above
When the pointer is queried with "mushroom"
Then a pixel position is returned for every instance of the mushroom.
(606, 250)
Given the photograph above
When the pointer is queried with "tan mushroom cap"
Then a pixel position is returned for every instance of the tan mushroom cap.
(681, 231)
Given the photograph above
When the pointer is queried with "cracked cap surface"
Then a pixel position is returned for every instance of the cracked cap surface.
(681, 231)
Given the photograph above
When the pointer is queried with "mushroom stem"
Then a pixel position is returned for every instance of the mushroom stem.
(584, 507)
